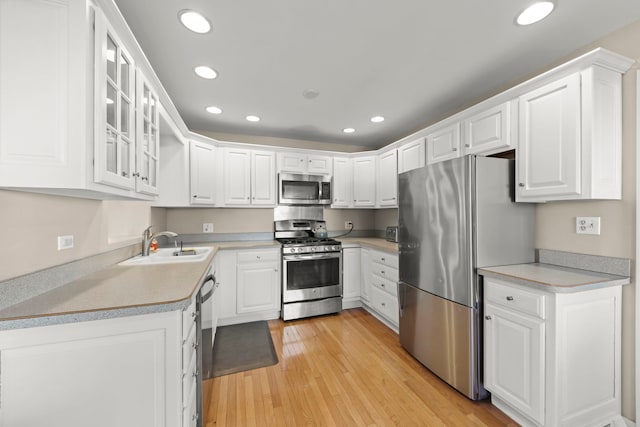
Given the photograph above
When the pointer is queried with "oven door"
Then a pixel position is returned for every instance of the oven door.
(311, 276)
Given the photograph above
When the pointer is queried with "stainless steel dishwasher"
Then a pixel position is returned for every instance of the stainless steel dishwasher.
(205, 293)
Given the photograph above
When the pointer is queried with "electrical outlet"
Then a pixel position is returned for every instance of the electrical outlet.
(588, 225)
(207, 227)
(65, 242)
(348, 224)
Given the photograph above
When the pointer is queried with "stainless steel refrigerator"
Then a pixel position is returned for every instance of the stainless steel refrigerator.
(454, 217)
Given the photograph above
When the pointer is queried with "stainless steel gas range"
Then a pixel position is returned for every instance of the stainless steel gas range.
(311, 267)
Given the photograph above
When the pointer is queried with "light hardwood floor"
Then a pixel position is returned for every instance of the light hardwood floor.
(341, 370)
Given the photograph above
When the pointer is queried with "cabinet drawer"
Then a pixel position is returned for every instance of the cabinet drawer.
(190, 409)
(189, 318)
(189, 349)
(385, 304)
(515, 298)
(384, 271)
(385, 258)
(258, 256)
(189, 378)
(385, 284)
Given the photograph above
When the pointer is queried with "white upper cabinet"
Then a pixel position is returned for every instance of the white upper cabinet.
(364, 181)
(387, 179)
(294, 162)
(237, 176)
(263, 178)
(202, 161)
(342, 182)
(570, 142)
(411, 155)
(148, 137)
(249, 177)
(488, 130)
(88, 103)
(443, 143)
(114, 143)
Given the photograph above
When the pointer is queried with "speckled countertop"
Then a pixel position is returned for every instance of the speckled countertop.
(370, 242)
(119, 290)
(553, 278)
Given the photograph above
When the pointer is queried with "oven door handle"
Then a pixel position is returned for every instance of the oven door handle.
(310, 257)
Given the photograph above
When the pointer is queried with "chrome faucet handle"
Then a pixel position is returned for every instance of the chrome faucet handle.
(147, 231)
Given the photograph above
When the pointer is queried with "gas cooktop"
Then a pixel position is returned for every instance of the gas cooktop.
(308, 241)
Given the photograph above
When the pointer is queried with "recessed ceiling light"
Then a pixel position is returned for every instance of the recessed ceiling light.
(535, 12)
(377, 119)
(206, 72)
(310, 93)
(213, 109)
(194, 21)
(348, 130)
(253, 118)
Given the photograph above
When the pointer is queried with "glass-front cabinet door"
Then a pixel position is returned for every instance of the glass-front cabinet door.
(148, 139)
(114, 146)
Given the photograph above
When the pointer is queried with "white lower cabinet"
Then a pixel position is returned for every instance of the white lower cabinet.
(258, 281)
(365, 274)
(351, 274)
(553, 359)
(116, 372)
(250, 285)
(382, 286)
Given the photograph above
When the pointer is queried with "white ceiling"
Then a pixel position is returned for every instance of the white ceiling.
(412, 61)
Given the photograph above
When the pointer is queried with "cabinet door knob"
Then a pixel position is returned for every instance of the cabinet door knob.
(509, 298)
(487, 317)
(195, 196)
(521, 184)
(454, 149)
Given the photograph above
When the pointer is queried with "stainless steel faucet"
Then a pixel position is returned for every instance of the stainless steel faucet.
(148, 236)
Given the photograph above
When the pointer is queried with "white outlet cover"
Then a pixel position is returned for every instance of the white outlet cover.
(65, 242)
(207, 227)
(588, 225)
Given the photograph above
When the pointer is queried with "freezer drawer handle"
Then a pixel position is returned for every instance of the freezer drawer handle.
(509, 298)
(487, 317)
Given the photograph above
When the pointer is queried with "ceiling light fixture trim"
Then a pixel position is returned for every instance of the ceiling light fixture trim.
(206, 72)
(194, 21)
(253, 118)
(212, 109)
(348, 130)
(377, 119)
(535, 12)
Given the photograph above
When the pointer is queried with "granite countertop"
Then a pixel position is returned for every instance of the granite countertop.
(117, 287)
(554, 278)
(370, 242)
(119, 290)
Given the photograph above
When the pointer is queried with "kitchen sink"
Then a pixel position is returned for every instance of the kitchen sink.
(170, 255)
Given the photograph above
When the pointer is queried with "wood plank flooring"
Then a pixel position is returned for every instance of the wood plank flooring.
(341, 370)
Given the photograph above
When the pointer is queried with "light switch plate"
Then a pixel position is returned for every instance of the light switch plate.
(588, 225)
(207, 227)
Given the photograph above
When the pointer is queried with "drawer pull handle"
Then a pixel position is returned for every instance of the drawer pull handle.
(487, 317)
(383, 304)
(381, 271)
(509, 298)
(382, 284)
(383, 260)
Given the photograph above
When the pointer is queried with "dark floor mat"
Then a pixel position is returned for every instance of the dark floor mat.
(242, 347)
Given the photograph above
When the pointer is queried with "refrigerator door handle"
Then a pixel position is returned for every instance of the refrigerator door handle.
(401, 298)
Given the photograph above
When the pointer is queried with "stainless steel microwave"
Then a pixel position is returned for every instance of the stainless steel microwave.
(297, 189)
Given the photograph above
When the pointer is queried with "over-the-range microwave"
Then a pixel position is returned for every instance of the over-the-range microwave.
(299, 189)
